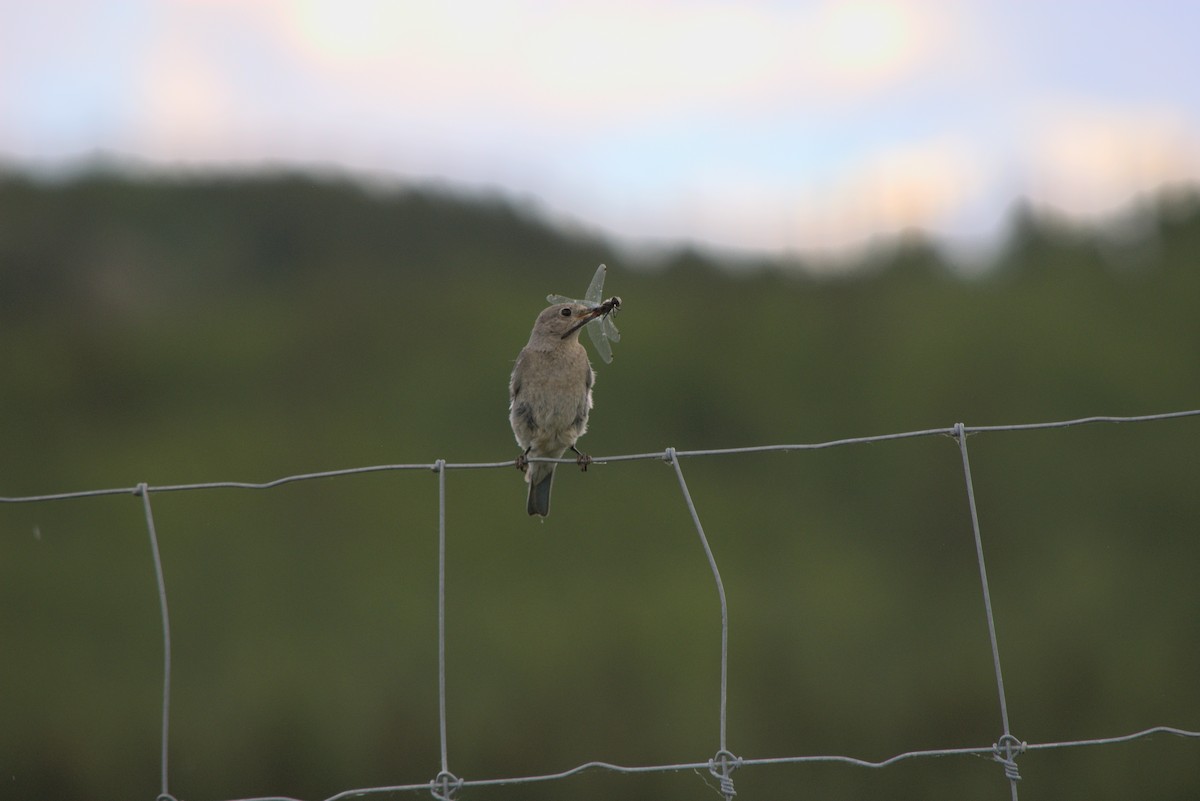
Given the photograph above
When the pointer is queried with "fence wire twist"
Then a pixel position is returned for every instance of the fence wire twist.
(445, 785)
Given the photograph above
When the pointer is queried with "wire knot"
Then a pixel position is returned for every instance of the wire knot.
(669, 456)
(444, 786)
(722, 767)
(438, 466)
(1011, 747)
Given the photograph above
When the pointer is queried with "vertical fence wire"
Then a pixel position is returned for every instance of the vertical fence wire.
(440, 467)
(1005, 749)
(723, 764)
(144, 491)
(445, 784)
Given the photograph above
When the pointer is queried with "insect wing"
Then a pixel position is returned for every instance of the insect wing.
(595, 290)
(610, 328)
(596, 332)
(600, 330)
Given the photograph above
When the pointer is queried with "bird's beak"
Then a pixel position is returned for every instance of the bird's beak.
(584, 319)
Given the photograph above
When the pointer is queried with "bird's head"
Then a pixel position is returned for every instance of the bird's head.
(564, 320)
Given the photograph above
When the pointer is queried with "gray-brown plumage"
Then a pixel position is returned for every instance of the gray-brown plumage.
(550, 395)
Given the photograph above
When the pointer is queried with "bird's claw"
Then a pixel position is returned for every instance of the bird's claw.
(521, 463)
(583, 461)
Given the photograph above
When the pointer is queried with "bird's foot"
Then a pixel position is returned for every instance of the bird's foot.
(583, 459)
(522, 461)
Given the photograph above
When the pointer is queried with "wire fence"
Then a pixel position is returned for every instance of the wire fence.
(722, 765)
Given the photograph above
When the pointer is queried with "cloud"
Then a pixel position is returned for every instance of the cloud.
(182, 105)
(599, 63)
(866, 42)
(915, 185)
(920, 184)
(1089, 158)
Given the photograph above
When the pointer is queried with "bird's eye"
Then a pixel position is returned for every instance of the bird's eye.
(566, 312)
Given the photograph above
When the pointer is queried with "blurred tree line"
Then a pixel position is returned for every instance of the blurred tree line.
(174, 328)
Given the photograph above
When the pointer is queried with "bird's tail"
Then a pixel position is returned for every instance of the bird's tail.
(540, 476)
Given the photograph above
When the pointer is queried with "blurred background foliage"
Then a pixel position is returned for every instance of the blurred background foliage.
(176, 328)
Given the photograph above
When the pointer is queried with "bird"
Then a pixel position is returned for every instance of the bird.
(550, 396)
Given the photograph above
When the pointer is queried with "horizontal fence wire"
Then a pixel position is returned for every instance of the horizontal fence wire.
(662, 455)
(632, 770)
(446, 785)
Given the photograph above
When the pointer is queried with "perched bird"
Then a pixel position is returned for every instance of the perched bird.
(550, 395)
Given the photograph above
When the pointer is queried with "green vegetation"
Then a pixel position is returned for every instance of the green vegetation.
(186, 329)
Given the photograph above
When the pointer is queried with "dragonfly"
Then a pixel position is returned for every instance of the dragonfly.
(602, 330)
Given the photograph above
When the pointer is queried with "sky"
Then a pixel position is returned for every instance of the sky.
(760, 125)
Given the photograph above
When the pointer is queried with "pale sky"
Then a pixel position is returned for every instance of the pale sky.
(776, 126)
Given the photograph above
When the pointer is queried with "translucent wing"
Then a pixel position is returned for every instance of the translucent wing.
(601, 330)
(595, 290)
(597, 329)
(596, 332)
(610, 328)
